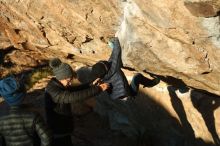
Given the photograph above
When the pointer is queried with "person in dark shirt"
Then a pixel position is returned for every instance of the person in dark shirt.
(59, 94)
(20, 126)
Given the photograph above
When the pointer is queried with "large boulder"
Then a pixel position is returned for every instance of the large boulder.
(178, 40)
(164, 37)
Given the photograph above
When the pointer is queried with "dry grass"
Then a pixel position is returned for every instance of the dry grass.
(36, 75)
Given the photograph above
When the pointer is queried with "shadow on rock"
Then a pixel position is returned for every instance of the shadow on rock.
(161, 127)
(177, 83)
(206, 103)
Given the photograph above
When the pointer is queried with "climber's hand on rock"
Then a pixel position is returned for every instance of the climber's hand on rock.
(104, 86)
(113, 42)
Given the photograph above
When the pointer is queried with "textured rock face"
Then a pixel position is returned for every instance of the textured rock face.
(163, 37)
(49, 27)
(67, 25)
(167, 39)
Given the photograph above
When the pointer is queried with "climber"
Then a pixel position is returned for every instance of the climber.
(110, 72)
(116, 105)
(20, 126)
(59, 93)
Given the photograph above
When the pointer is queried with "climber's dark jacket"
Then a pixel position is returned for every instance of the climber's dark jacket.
(115, 76)
(20, 127)
(58, 100)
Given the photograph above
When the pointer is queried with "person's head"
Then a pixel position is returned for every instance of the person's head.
(84, 75)
(89, 74)
(62, 71)
(100, 69)
(12, 90)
